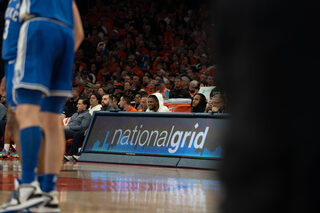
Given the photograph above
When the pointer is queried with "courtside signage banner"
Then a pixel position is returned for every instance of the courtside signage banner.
(167, 135)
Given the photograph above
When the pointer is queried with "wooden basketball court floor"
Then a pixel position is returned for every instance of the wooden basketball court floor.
(99, 187)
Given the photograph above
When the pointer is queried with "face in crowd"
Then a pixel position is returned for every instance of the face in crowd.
(101, 91)
(122, 102)
(177, 83)
(105, 101)
(93, 100)
(217, 103)
(137, 99)
(196, 101)
(75, 93)
(144, 103)
(153, 103)
(81, 106)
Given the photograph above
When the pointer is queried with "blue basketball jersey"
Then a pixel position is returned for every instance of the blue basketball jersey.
(11, 30)
(60, 10)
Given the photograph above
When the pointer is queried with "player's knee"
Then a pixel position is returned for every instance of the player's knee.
(50, 121)
(28, 115)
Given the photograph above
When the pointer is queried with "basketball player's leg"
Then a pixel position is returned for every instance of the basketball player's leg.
(27, 191)
(51, 158)
(54, 140)
(28, 111)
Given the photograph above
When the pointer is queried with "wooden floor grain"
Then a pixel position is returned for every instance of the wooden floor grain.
(98, 187)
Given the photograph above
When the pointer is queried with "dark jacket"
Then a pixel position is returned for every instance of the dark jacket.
(179, 93)
(108, 108)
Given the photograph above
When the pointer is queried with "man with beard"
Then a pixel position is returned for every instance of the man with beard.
(155, 103)
(143, 103)
(107, 103)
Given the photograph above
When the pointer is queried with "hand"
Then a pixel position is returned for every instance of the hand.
(215, 109)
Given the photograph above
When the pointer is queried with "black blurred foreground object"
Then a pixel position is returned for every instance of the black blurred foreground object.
(266, 58)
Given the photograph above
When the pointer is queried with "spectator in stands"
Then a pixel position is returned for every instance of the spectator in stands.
(70, 106)
(136, 82)
(151, 87)
(169, 84)
(191, 74)
(101, 91)
(137, 100)
(106, 103)
(204, 59)
(199, 103)
(109, 88)
(143, 103)
(194, 88)
(79, 120)
(178, 91)
(185, 81)
(125, 104)
(95, 103)
(162, 88)
(118, 89)
(145, 45)
(115, 101)
(127, 87)
(87, 91)
(127, 78)
(155, 103)
(210, 81)
(145, 82)
(218, 103)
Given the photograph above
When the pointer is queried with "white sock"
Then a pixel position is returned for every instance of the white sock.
(6, 147)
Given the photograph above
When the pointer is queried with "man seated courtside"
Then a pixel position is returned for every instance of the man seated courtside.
(80, 120)
(73, 152)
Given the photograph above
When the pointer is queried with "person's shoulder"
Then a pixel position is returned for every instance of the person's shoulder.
(132, 109)
(85, 113)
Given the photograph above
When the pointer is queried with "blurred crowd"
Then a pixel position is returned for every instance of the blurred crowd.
(136, 48)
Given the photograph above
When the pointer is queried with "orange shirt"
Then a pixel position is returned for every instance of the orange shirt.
(131, 109)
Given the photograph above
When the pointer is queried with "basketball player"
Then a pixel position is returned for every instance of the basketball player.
(50, 32)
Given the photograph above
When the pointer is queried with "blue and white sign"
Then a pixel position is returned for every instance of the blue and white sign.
(166, 135)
